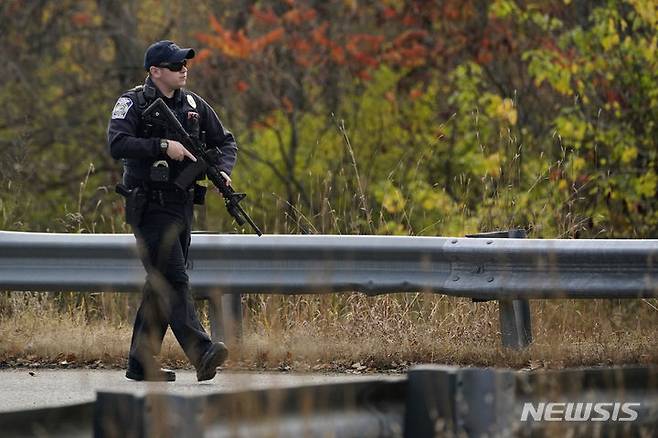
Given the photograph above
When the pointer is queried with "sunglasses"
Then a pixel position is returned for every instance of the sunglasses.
(174, 66)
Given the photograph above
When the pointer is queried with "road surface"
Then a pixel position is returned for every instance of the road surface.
(28, 388)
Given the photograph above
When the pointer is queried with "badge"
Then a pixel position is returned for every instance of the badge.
(191, 101)
(121, 108)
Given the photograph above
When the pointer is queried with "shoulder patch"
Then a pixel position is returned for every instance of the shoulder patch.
(191, 101)
(121, 108)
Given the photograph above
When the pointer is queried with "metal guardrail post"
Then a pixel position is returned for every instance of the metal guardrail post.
(452, 401)
(224, 312)
(61, 421)
(515, 325)
(232, 306)
(215, 317)
(514, 314)
(225, 315)
(153, 415)
(118, 415)
(485, 402)
(431, 409)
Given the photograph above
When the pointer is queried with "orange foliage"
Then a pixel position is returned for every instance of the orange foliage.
(287, 104)
(201, 56)
(612, 96)
(498, 41)
(393, 57)
(415, 93)
(241, 86)
(266, 17)
(389, 13)
(363, 74)
(451, 11)
(318, 35)
(407, 49)
(81, 19)
(268, 39)
(305, 61)
(215, 25)
(409, 36)
(300, 45)
(484, 57)
(414, 45)
(338, 55)
(365, 59)
(237, 44)
(364, 47)
(299, 16)
(266, 121)
(409, 20)
(413, 56)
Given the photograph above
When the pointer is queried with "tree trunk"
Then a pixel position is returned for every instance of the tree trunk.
(120, 21)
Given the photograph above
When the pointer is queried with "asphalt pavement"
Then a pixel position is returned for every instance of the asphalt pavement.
(28, 388)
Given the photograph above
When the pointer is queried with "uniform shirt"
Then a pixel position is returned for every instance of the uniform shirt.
(126, 138)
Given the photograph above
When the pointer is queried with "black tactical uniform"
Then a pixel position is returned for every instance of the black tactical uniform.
(162, 227)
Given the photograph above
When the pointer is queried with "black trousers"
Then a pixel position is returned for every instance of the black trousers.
(163, 238)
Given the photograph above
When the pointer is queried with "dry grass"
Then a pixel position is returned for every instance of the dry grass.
(386, 331)
(352, 331)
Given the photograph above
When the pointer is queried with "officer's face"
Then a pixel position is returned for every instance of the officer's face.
(171, 79)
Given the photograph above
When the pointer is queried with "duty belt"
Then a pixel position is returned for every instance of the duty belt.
(165, 196)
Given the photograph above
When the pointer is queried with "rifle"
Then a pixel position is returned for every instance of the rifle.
(158, 112)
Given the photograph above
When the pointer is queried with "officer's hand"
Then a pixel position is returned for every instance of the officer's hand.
(226, 177)
(176, 151)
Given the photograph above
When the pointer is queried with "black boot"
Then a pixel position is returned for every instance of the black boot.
(214, 357)
(151, 375)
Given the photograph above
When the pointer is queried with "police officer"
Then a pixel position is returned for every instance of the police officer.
(161, 214)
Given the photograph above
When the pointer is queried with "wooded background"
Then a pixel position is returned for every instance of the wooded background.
(414, 117)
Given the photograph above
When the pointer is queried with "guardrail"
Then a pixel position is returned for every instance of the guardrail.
(429, 401)
(63, 421)
(488, 268)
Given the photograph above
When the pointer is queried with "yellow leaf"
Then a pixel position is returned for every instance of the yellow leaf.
(492, 164)
(629, 154)
(646, 185)
(579, 164)
(563, 84)
(507, 112)
(646, 9)
(393, 201)
(609, 41)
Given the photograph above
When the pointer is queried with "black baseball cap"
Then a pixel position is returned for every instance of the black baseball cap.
(165, 52)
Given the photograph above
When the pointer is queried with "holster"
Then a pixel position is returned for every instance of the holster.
(136, 201)
(199, 194)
